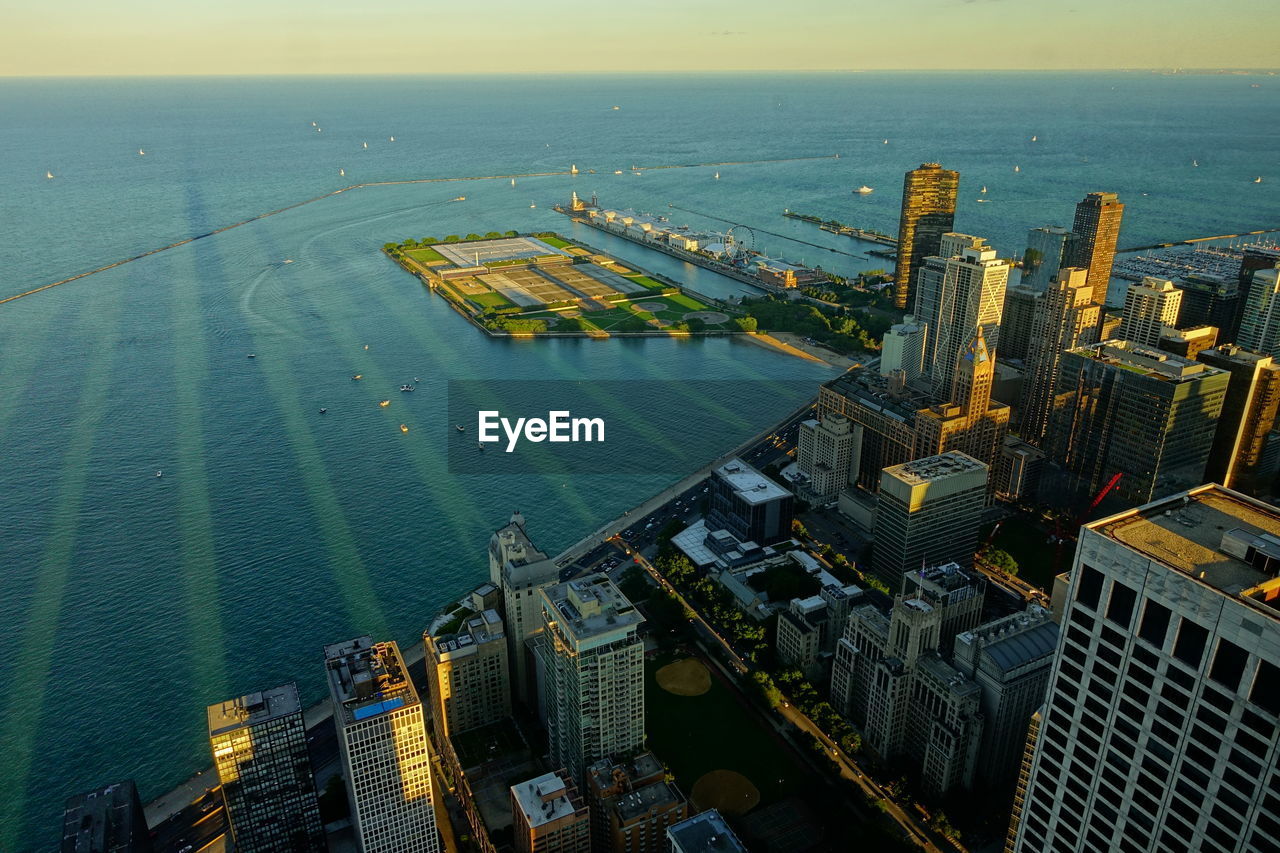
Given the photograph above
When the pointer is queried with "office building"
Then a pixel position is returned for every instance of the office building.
(826, 452)
(809, 628)
(1160, 727)
(956, 296)
(885, 410)
(903, 348)
(383, 745)
(1260, 325)
(972, 422)
(259, 748)
(633, 805)
(890, 676)
(1207, 300)
(1049, 249)
(1097, 226)
(1254, 258)
(928, 212)
(520, 570)
(1009, 659)
(1238, 457)
(752, 507)
(1188, 343)
(1015, 321)
(591, 663)
(929, 513)
(550, 816)
(707, 832)
(105, 820)
(468, 676)
(1149, 307)
(1018, 471)
(1147, 415)
(1066, 317)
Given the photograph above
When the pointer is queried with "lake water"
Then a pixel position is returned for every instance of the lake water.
(128, 601)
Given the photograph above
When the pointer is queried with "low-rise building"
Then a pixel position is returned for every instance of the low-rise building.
(550, 816)
(748, 504)
(707, 832)
(809, 628)
(632, 805)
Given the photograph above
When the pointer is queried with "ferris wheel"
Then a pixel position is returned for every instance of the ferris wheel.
(739, 240)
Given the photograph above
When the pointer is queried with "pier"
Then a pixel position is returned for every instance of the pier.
(1194, 240)
(831, 226)
(763, 231)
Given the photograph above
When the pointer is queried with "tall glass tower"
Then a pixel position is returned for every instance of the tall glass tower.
(1098, 226)
(928, 212)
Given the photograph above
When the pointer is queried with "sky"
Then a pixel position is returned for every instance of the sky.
(180, 37)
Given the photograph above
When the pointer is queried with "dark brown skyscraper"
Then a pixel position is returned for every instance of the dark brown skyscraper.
(1098, 226)
(928, 212)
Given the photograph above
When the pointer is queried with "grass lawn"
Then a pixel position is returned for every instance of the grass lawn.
(424, 255)
(697, 734)
(489, 300)
(556, 242)
(1027, 545)
(648, 282)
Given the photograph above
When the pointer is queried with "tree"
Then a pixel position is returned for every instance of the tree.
(746, 324)
(427, 241)
(695, 325)
(635, 584)
(512, 234)
(768, 690)
(452, 238)
(798, 528)
(999, 559)
(492, 235)
(474, 237)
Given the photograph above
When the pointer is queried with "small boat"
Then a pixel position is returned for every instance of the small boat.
(322, 411)
(513, 182)
(983, 200)
(616, 107)
(480, 446)
(864, 190)
(573, 170)
(416, 380)
(49, 175)
(159, 473)
(393, 139)
(141, 153)
(364, 145)
(1258, 180)
(403, 428)
(366, 347)
(984, 189)
(717, 176)
(1195, 162)
(406, 388)
(342, 173)
(1034, 139)
(886, 142)
(288, 260)
(458, 427)
(615, 171)
(532, 206)
(313, 124)
(461, 198)
(319, 130)
(252, 355)
(357, 377)
(384, 403)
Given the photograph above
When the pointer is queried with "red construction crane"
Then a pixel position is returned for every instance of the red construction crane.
(1069, 534)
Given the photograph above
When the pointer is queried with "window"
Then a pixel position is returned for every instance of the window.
(1266, 687)
(1228, 665)
(1120, 606)
(1089, 590)
(1189, 647)
(1155, 623)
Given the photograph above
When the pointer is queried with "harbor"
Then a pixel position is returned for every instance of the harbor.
(832, 226)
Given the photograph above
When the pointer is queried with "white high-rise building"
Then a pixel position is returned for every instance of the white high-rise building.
(955, 294)
(1160, 730)
(903, 348)
(1149, 307)
(520, 570)
(383, 743)
(591, 663)
(827, 452)
(1260, 325)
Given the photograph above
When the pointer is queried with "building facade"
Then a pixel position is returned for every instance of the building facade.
(1260, 324)
(1097, 226)
(885, 410)
(1066, 317)
(929, 513)
(903, 348)
(1188, 343)
(1160, 730)
(1049, 249)
(382, 742)
(1150, 307)
(550, 816)
(259, 746)
(591, 662)
(633, 805)
(928, 212)
(519, 570)
(1015, 321)
(748, 504)
(826, 452)
(1249, 410)
(707, 832)
(468, 676)
(105, 820)
(971, 422)
(1145, 414)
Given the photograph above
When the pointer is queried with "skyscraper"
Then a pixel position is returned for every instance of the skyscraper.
(928, 514)
(519, 569)
(105, 820)
(1097, 226)
(468, 675)
(971, 422)
(1248, 417)
(1149, 307)
(1066, 317)
(826, 452)
(1260, 325)
(956, 296)
(383, 746)
(928, 211)
(1049, 249)
(1147, 415)
(1015, 321)
(591, 662)
(259, 748)
(1160, 728)
(903, 348)
(1256, 257)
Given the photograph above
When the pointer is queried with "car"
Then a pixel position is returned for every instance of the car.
(187, 849)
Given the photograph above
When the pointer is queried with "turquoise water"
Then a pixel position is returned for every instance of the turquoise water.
(128, 602)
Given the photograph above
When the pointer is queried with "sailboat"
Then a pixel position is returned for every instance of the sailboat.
(886, 142)
(1258, 180)
(313, 124)
(513, 182)
(49, 175)
(984, 189)
(1017, 168)
(342, 173)
(532, 205)
(717, 176)
(1195, 162)
(365, 144)
(319, 130)
(141, 153)
(573, 170)
(393, 139)
(1034, 138)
